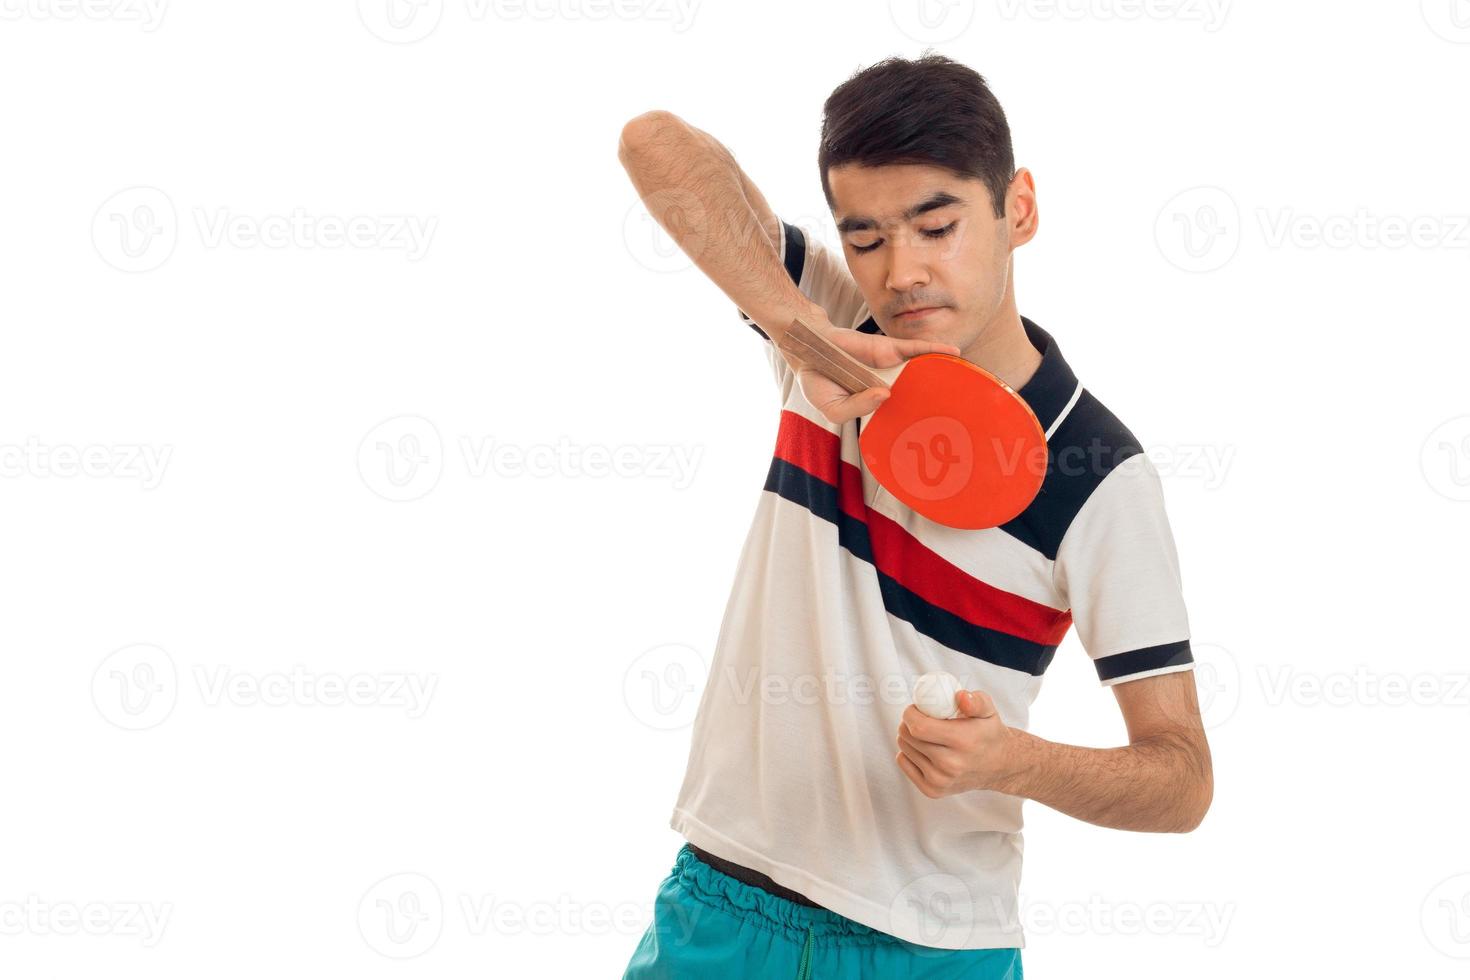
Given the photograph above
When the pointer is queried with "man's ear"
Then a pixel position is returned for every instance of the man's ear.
(1022, 217)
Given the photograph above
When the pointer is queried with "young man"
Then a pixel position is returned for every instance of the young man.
(832, 829)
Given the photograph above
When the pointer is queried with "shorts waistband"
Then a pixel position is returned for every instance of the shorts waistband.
(751, 877)
(721, 891)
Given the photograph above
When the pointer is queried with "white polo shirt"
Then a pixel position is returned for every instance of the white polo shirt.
(843, 597)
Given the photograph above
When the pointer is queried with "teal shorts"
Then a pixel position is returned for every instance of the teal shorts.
(709, 925)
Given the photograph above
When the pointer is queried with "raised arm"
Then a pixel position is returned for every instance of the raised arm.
(695, 190)
(693, 187)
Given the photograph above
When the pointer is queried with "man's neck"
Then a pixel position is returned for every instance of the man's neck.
(1004, 350)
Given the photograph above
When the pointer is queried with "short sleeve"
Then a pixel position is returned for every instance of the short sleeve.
(1118, 568)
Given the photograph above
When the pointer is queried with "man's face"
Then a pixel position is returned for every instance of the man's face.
(918, 236)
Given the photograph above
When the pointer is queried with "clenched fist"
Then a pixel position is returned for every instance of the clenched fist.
(945, 757)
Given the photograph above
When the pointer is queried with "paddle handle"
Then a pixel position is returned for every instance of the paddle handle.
(813, 348)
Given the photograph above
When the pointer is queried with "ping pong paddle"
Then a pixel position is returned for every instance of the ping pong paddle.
(953, 442)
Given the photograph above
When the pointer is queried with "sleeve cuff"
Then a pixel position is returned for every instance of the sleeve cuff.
(1144, 662)
(792, 254)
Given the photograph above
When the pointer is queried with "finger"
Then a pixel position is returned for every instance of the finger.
(841, 406)
(928, 730)
(927, 745)
(909, 348)
(867, 401)
(930, 766)
(880, 350)
(886, 352)
(978, 705)
(920, 758)
(916, 775)
(936, 758)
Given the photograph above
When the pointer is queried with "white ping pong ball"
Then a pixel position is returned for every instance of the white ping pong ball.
(934, 694)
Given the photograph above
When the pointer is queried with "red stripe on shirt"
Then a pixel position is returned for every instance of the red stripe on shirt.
(898, 554)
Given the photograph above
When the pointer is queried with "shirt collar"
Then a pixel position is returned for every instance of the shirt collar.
(1051, 387)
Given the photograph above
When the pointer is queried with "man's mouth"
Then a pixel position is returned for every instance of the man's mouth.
(916, 314)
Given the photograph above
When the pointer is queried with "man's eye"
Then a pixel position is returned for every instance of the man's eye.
(928, 233)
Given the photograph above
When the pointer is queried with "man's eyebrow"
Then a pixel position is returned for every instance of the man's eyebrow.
(942, 199)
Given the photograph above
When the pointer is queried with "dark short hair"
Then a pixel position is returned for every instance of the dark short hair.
(932, 110)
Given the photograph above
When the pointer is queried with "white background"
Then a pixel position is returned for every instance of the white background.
(335, 496)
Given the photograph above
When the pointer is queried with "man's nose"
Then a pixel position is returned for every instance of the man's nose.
(907, 268)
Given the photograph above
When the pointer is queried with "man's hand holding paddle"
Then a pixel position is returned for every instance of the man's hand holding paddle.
(875, 350)
(947, 438)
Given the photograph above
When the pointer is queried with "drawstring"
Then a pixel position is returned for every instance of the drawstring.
(804, 968)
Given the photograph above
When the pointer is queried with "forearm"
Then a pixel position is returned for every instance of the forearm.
(1161, 784)
(696, 191)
